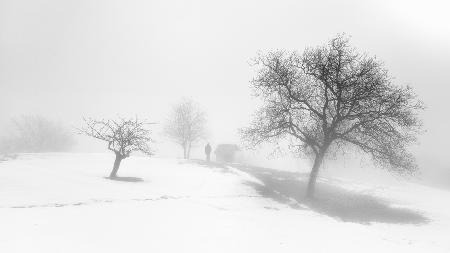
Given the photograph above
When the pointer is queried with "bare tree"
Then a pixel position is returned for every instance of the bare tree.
(332, 96)
(34, 133)
(123, 137)
(186, 125)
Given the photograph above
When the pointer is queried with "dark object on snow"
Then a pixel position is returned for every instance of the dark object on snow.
(126, 179)
(226, 152)
(208, 152)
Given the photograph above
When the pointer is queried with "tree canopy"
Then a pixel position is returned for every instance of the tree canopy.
(186, 125)
(333, 96)
(123, 135)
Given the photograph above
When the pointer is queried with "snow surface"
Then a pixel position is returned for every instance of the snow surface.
(64, 203)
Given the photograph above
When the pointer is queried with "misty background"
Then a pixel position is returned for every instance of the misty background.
(69, 59)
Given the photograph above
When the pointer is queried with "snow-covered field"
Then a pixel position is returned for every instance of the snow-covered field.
(63, 203)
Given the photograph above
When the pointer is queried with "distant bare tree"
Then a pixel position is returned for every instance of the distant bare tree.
(34, 133)
(331, 96)
(186, 125)
(122, 135)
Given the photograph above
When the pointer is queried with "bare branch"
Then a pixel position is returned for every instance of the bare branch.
(334, 94)
(123, 136)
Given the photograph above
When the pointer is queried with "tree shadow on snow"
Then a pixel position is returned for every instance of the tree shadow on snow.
(126, 179)
(334, 201)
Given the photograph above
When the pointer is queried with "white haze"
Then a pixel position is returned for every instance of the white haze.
(103, 58)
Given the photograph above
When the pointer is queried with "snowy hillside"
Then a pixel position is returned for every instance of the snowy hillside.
(63, 203)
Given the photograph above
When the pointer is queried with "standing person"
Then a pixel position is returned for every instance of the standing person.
(208, 152)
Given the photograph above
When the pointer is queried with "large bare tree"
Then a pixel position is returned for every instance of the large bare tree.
(186, 125)
(123, 136)
(333, 96)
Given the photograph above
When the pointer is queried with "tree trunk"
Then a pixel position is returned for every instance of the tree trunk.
(313, 175)
(184, 151)
(189, 150)
(116, 166)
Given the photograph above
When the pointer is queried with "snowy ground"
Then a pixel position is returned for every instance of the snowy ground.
(63, 203)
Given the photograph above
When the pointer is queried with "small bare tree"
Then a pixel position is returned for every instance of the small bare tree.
(331, 96)
(186, 125)
(123, 137)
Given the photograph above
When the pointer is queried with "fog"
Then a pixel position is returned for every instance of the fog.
(86, 85)
(71, 59)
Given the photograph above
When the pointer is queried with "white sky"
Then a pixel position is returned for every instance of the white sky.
(66, 59)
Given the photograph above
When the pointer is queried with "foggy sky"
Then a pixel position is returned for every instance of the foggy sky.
(102, 58)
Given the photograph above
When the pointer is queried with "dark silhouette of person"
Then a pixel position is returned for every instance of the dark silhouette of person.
(207, 152)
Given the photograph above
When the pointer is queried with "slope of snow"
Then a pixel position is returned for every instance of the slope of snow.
(63, 203)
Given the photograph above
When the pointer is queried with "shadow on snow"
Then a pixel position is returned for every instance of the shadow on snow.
(126, 179)
(350, 206)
